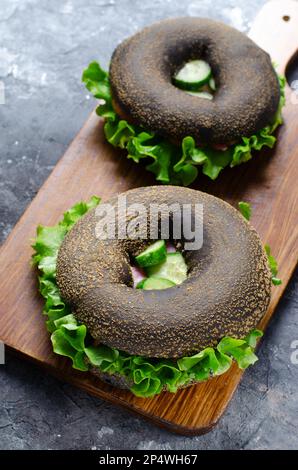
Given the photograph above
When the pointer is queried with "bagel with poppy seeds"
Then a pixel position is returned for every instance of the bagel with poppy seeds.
(147, 113)
(226, 292)
(186, 321)
(142, 68)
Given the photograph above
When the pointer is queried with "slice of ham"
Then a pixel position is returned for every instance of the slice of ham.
(137, 274)
(221, 147)
(170, 248)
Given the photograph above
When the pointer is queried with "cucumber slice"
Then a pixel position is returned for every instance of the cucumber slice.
(156, 283)
(141, 283)
(154, 254)
(174, 269)
(212, 84)
(193, 75)
(201, 94)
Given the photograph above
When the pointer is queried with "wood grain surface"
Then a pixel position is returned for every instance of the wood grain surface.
(90, 166)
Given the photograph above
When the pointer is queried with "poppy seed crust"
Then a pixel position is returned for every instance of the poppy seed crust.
(247, 89)
(226, 293)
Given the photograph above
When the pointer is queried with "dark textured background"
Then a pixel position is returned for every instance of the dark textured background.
(44, 45)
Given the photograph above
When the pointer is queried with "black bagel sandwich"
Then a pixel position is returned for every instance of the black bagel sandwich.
(193, 312)
(188, 93)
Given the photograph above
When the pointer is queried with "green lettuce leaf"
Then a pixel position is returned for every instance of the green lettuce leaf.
(172, 164)
(147, 376)
(245, 209)
(62, 347)
(97, 82)
(273, 266)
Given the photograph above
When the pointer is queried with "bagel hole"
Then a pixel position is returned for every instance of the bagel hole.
(193, 78)
(175, 258)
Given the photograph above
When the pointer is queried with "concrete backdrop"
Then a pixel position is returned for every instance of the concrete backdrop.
(44, 46)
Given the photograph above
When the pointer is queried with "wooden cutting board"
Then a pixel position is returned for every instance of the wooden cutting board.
(90, 166)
